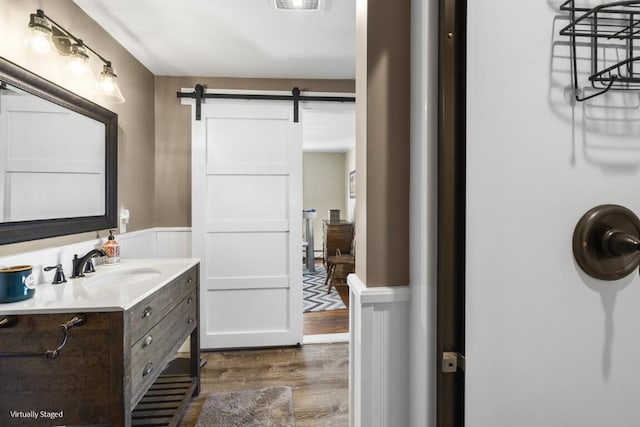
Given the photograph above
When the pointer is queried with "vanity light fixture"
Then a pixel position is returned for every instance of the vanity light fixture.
(47, 35)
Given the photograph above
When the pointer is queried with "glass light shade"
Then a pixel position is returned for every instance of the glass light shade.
(78, 61)
(297, 3)
(108, 87)
(39, 40)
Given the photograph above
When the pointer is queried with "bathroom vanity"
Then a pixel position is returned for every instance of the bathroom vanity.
(108, 373)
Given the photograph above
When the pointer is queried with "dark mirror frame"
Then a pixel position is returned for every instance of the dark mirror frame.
(21, 231)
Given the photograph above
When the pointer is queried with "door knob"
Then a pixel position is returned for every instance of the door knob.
(606, 242)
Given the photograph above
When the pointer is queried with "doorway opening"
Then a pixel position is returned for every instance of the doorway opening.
(328, 144)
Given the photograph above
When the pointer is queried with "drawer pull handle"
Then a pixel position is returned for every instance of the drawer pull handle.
(189, 300)
(147, 312)
(189, 280)
(190, 320)
(148, 340)
(147, 369)
(8, 321)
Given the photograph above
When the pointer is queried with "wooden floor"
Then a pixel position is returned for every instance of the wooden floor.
(331, 321)
(326, 322)
(317, 374)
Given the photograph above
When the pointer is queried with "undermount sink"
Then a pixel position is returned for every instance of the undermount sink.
(127, 276)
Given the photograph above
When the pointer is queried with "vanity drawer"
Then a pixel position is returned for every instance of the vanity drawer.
(155, 349)
(150, 311)
(166, 331)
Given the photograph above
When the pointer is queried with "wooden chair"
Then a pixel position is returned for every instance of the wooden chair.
(339, 266)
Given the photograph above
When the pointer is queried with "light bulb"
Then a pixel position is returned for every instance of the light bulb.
(298, 3)
(77, 66)
(108, 87)
(39, 38)
(78, 60)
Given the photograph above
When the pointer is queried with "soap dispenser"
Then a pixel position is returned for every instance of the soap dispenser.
(112, 249)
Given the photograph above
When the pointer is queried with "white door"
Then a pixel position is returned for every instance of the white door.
(546, 344)
(247, 209)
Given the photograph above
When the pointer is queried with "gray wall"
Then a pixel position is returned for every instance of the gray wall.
(383, 96)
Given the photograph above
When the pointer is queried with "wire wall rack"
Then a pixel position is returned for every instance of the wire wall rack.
(610, 33)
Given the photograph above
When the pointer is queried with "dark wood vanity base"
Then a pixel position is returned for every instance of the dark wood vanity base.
(165, 402)
(109, 365)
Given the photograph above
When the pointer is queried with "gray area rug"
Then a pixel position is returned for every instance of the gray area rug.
(267, 407)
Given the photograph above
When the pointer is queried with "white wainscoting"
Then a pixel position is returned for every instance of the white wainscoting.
(378, 355)
(167, 242)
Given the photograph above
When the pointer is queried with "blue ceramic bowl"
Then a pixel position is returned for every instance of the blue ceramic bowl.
(16, 283)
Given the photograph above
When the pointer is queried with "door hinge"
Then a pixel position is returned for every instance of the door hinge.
(452, 362)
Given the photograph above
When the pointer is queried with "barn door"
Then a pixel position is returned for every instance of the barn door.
(247, 219)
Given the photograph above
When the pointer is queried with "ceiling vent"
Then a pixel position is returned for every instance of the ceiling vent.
(310, 5)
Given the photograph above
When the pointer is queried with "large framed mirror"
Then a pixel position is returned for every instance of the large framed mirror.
(58, 159)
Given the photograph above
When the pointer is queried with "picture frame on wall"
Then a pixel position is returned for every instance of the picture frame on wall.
(352, 184)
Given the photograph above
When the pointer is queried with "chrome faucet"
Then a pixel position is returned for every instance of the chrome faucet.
(79, 263)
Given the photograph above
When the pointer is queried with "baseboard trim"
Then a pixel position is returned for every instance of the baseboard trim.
(326, 338)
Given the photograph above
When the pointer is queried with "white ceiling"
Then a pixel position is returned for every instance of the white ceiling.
(242, 38)
(327, 129)
(232, 38)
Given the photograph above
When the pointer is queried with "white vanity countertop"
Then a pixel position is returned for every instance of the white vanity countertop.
(111, 288)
